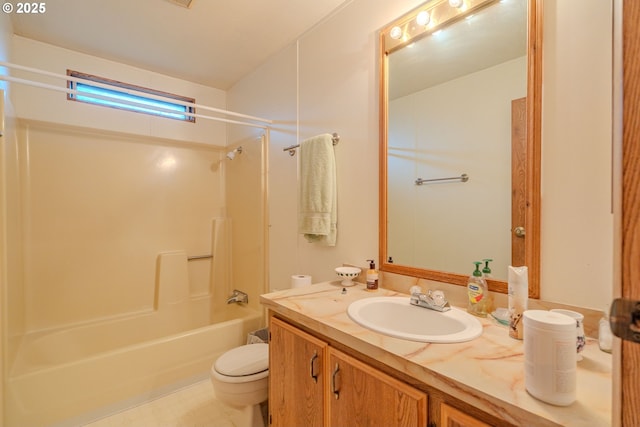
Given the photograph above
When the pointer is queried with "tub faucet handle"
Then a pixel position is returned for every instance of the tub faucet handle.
(238, 297)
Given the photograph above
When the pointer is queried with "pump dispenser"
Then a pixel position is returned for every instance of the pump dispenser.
(478, 291)
(372, 276)
(486, 271)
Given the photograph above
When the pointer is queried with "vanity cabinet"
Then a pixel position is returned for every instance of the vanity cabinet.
(452, 417)
(297, 381)
(469, 384)
(314, 384)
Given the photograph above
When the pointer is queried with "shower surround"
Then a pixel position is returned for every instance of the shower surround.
(111, 294)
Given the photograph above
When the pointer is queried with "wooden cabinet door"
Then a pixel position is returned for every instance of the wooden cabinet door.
(297, 380)
(360, 395)
(452, 417)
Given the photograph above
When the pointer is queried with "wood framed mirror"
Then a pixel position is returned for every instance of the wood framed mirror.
(460, 140)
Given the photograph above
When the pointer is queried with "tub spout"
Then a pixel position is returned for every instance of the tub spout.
(238, 297)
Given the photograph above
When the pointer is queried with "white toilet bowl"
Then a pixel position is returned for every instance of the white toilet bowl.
(240, 378)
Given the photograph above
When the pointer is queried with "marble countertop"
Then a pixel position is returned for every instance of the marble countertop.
(487, 372)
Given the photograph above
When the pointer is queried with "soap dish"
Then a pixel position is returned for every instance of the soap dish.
(501, 315)
(347, 274)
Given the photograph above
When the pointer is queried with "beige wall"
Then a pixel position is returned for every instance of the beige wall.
(577, 223)
(132, 185)
(98, 212)
(328, 82)
(38, 104)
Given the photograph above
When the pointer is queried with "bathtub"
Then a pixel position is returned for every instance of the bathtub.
(73, 375)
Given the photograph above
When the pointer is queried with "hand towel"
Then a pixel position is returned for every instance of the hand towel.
(317, 192)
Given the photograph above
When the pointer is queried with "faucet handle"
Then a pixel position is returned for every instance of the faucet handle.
(415, 290)
(438, 297)
(439, 301)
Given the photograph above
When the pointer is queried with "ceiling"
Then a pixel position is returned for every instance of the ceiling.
(214, 42)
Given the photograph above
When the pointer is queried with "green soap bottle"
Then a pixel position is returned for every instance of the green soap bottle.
(486, 271)
(478, 292)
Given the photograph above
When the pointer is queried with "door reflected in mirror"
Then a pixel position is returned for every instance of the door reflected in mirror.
(460, 141)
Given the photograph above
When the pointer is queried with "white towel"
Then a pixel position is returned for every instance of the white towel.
(317, 192)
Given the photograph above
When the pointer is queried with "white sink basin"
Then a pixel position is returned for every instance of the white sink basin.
(396, 317)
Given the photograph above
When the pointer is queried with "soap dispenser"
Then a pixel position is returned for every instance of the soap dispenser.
(486, 271)
(372, 276)
(478, 292)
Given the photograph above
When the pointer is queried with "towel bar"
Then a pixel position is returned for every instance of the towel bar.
(464, 178)
(195, 257)
(292, 148)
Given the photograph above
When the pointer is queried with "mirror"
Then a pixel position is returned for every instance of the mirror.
(460, 140)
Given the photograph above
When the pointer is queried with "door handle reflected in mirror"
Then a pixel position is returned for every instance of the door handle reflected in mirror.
(519, 232)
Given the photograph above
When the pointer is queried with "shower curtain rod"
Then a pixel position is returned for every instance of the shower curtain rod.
(128, 91)
(127, 102)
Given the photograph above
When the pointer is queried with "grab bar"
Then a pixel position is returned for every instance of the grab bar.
(464, 178)
(292, 148)
(196, 257)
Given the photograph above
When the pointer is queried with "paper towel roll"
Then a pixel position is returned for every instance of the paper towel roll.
(298, 280)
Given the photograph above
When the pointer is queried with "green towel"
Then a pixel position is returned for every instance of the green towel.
(317, 191)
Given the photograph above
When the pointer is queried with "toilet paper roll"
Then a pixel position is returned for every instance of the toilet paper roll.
(298, 280)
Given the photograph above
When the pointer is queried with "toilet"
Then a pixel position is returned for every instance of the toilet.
(240, 378)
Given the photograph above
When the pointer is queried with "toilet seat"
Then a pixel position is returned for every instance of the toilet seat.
(243, 364)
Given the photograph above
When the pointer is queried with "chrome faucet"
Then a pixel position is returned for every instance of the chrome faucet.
(433, 300)
(237, 297)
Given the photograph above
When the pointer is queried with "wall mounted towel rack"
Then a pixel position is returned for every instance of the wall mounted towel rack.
(292, 148)
(464, 178)
(196, 257)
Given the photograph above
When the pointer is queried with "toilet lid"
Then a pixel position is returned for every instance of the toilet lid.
(247, 359)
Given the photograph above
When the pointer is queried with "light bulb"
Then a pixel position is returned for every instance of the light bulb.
(423, 18)
(396, 33)
(456, 3)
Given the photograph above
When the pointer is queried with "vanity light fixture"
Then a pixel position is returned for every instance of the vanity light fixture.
(423, 18)
(395, 33)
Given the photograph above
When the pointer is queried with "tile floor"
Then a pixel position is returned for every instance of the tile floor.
(191, 406)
